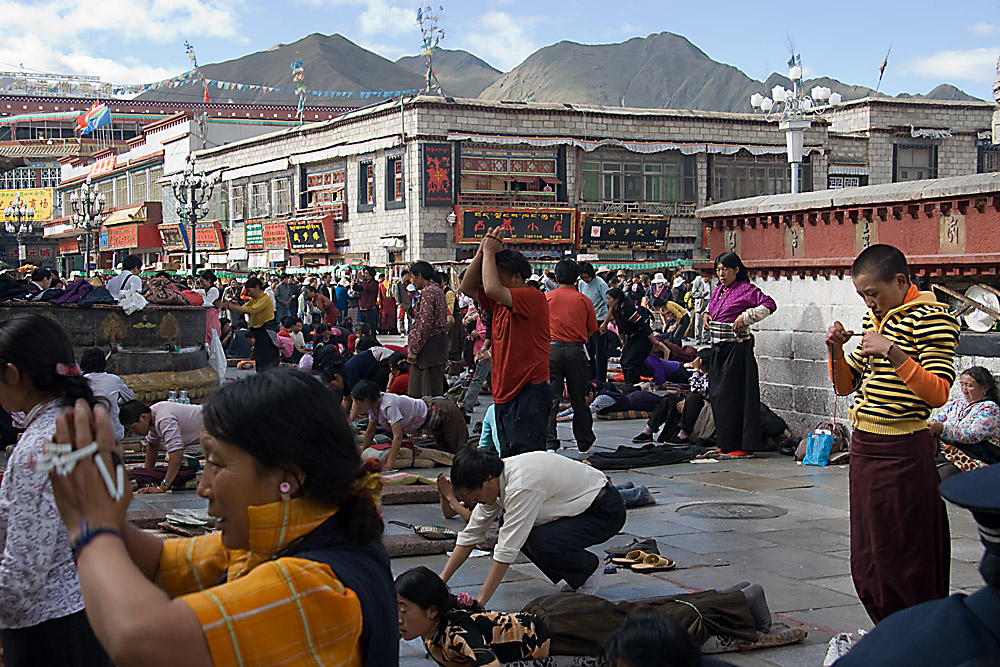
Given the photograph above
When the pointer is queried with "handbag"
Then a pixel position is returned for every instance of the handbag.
(435, 351)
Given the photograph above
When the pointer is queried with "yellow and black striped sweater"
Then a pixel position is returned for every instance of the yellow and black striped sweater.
(928, 334)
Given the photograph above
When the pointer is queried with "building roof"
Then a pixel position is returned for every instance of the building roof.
(869, 195)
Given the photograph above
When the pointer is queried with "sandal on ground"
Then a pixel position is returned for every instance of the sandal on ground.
(631, 558)
(737, 454)
(654, 563)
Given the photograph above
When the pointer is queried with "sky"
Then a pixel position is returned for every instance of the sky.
(142, 41)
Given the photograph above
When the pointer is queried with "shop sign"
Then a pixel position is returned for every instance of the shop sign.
(628, 230)
(173, 237)
(41, 253)
(520, 225)
(69, 246)
(276, 255)
(275, 235)
(40, 199)
(436, 172)
(120, 237)
(307, 235)
(254, 234)
(208, 236)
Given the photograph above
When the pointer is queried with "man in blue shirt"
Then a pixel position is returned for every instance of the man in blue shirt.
(595, 288)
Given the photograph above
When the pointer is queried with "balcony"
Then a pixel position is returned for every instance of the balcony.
(648, 208)
(337, 209)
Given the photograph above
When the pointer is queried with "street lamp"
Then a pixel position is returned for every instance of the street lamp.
(790, 109)
(88, 204)
(19, 218)
(192, 190)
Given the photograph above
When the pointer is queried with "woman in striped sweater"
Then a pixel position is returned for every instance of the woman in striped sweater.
(903, 367)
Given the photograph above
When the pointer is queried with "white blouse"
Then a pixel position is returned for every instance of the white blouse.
(38, 580)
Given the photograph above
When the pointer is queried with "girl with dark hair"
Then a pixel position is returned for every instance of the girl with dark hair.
(638, 339)
(456, 630)
(400, 415)
(42, 621)
(969, 427)
(297, 562)
(734, 384)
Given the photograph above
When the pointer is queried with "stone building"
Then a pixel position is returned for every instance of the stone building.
(391, 183)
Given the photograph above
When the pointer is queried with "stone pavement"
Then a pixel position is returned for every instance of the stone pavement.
(800, 556)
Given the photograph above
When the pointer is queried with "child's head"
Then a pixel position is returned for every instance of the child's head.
(425, 602)
(136, 417)
(651, 640)
(366, 395)
(475, 475)
(37, 364)
(93, 361)
(513, 267)
(881, 277)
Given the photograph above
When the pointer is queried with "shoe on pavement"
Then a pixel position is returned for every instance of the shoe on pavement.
(643, 437)
(648, 545)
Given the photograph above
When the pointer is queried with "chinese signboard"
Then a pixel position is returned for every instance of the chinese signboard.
(254, 234)
(523, 225)
(120, 237)
(625, 230)
(275, 235)
(39, 253)
(173, 237)
(208, 236)
(39, 199)
(307, 235)
(437, 172)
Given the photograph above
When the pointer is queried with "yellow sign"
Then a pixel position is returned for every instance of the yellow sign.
(39, 199)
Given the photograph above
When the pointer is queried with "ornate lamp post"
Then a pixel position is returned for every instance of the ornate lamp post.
(19, 221)
(789, 109)
(88, 204)
(193, 190)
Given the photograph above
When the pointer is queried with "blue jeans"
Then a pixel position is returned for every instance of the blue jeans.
(281, 312)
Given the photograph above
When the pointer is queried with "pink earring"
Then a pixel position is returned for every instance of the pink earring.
(285, 489)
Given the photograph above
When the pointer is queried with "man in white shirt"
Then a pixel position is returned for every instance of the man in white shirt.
(174, 427)
(128, 279)
(105, 385)
(554, 508)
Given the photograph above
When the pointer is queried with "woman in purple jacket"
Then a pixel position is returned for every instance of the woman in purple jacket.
(733, 384)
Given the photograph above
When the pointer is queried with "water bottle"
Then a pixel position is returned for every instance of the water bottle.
(172, 396)
(184, 398)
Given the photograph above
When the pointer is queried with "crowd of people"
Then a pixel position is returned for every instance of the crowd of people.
(296, 571)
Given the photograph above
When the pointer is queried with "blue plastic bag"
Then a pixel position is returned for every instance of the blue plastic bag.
(818, 446)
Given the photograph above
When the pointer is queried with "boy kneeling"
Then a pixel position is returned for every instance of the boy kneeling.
(554, 508)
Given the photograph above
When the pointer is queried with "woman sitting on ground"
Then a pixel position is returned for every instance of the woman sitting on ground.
(402, 415)
(969, 427)
(457, 631)
(298, 561)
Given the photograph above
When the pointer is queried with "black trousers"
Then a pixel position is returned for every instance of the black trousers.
(734, 392)
(265, 352)
(559, 548)
(633, 354)
(693, 403)
(665, 414)
(68, 642)
(523, 421)
(677, 337)
(568, 363)
(597, 347)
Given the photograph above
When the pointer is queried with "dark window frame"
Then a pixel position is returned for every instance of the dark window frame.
(395, 194)
(366, 185)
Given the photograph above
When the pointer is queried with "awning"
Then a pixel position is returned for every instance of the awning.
(238, 255)
(255, 169)
(551, 180)
(130, 214)
(634, 146)
(520, 178)
(392, 243)
(848, 170)
(344, 150)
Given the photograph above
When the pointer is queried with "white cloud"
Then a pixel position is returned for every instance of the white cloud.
(983, 28)
(378, 17)
(971, 65)
(500, 39)
(64, 36)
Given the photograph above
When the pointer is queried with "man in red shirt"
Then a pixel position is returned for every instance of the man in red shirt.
(520, 368)
(368, 301)
(571, 322)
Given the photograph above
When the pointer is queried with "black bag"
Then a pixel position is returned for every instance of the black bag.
(96, 295)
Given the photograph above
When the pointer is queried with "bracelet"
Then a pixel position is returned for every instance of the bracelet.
(87, 535)
(889, 351)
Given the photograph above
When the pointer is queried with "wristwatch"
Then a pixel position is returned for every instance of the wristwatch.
(163, 486)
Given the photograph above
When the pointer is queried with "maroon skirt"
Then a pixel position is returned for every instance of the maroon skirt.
(900, 544)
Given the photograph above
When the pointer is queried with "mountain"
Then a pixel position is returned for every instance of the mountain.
(662, 70)
(332, 62)
(460, 73)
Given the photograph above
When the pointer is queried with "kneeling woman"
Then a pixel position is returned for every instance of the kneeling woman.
(969, 427)
(298, 561)
(457, 631)
(402, 415)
